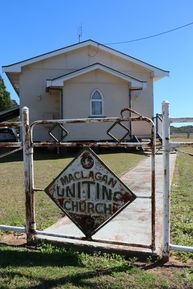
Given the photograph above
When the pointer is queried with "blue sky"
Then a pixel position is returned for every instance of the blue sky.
(29, 28)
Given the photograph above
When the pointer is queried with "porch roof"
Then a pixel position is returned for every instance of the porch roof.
(59, 81)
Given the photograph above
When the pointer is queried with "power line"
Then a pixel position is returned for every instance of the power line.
(151, 36)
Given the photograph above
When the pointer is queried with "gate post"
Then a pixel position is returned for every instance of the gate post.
(28, 176)
(166, 185)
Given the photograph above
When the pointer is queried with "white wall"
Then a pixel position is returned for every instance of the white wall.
(77, 91)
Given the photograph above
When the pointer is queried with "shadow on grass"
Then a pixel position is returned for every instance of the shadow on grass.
(11, 261)
(44, 270)
(45, 154)
(12, 257)
(81, 280)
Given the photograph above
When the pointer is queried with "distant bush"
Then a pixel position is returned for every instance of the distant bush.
(182, 129)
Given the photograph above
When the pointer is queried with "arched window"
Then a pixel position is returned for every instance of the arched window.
(96, 103)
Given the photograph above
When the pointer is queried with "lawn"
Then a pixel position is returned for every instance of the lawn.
(53, 267)
(182, 202)
(50, 267)
(46, 167)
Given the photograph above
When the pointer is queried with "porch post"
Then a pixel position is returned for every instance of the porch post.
(130, 104)
(28, 176)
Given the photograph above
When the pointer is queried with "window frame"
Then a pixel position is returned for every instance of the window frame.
(96, 100)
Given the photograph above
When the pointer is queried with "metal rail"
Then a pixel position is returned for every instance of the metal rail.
(10, 144)
(114, 120)
(173, 145)
(15, 124)
(91, 144)
(180, 119)
(13, 228)
(62, 236)
(10, 153)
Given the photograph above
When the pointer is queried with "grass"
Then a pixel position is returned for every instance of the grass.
(182, 203)
(50, 267)
(46, 166)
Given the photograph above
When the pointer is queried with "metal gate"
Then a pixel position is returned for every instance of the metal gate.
(28, 145)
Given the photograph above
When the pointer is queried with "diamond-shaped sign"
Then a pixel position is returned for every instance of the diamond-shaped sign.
(89, 193)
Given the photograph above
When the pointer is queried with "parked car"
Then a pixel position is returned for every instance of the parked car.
(8, 134)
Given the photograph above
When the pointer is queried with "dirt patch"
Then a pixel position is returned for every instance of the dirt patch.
(11, 239)
(173, 263)
(170, 270)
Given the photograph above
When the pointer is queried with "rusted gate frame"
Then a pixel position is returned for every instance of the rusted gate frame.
(168, 147)
(27, 144)
(30, 144)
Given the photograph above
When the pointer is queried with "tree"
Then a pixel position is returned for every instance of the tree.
(5, 100)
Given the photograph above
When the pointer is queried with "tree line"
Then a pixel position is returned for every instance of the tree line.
(5, 100)
(182, 129)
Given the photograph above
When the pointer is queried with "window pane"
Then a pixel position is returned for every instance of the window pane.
(96, 108)
(96, 95)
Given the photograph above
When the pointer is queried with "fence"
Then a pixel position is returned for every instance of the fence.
(168, 147)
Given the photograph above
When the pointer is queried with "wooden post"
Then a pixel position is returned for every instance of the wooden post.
(28, 177)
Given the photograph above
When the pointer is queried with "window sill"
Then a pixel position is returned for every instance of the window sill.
(97, 116)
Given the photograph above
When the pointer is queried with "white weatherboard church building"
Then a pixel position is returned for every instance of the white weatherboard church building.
(84, 80)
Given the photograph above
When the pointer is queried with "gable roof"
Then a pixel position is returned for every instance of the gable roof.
(16, 67)
(58, 81)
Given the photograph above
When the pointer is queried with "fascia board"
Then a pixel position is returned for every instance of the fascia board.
(14, 68)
